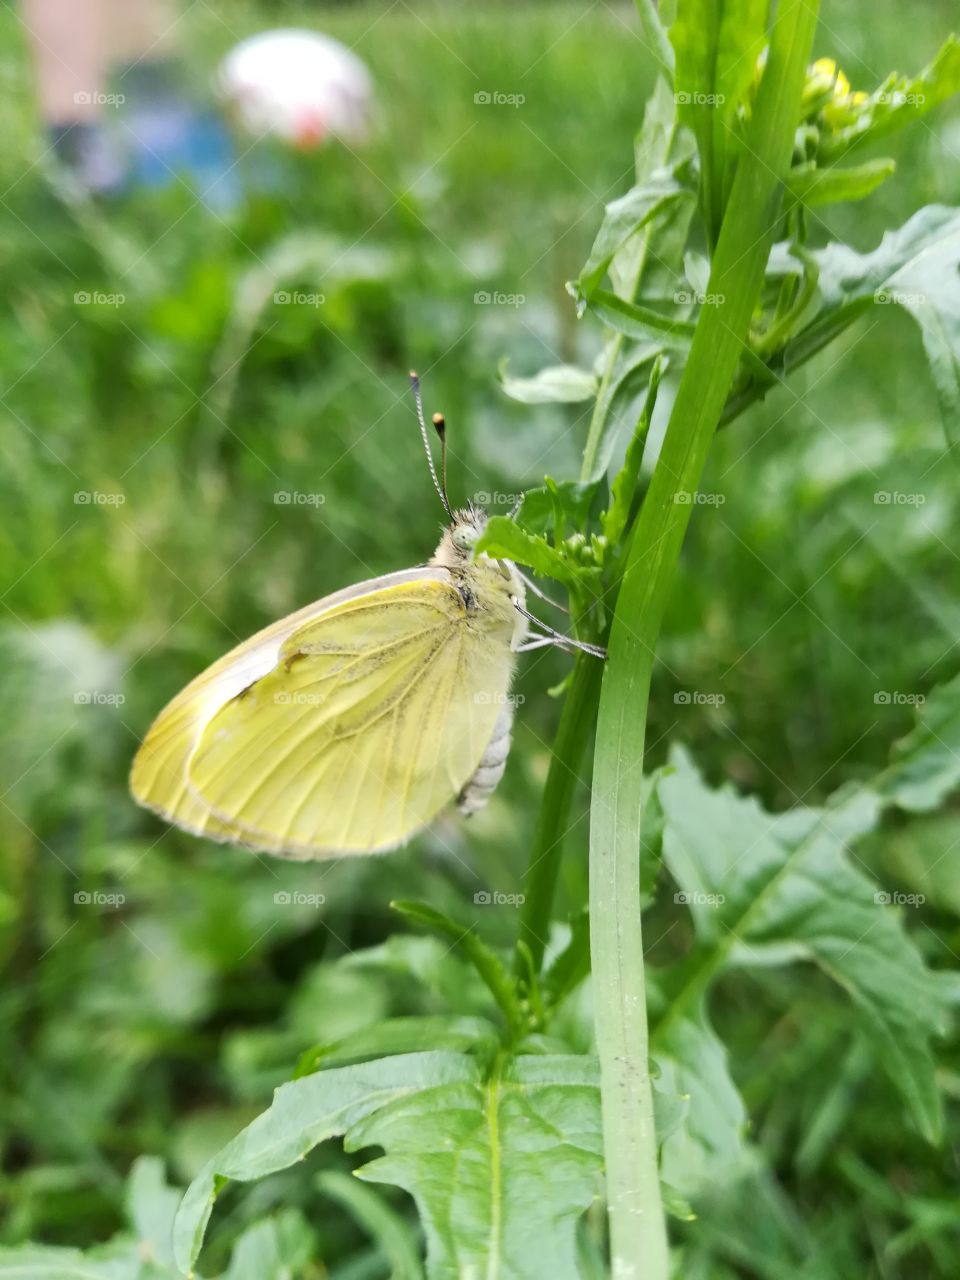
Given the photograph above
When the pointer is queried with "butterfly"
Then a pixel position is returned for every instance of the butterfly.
(347, 727)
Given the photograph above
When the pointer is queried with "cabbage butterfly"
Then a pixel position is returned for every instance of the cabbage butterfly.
(347, 726)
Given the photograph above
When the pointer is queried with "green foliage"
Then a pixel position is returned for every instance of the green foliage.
(803, 1049)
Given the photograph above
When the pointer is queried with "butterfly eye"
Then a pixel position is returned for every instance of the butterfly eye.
(464, 537)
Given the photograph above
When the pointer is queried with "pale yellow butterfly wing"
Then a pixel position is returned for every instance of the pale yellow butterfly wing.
(344, 729)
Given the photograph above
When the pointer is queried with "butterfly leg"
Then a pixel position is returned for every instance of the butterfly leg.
(541, 595)
(562, 641)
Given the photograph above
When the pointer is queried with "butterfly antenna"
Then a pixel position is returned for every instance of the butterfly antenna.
(440, 425)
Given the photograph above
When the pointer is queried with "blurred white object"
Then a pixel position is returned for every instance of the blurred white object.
(299, 86)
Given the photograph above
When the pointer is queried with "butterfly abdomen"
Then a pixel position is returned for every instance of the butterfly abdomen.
(489, 771)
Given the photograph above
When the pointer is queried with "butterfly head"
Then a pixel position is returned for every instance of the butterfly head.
(460, 537)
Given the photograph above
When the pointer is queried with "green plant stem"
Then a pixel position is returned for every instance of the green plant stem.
(579, 709)
(637, 1229)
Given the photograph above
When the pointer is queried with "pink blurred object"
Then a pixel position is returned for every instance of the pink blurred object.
(298, 86)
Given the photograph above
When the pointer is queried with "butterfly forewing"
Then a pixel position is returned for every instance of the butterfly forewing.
(343, 730)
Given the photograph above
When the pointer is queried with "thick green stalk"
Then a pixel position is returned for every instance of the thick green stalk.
(637, 1230)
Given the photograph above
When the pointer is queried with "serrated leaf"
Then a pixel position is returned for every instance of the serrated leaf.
(503, 537)
(558, 384)
(501, 1169)
(303, 1114)
(926, 763)
(770, 889)
(916, 267)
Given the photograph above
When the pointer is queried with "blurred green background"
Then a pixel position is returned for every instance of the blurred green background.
(161, 1024)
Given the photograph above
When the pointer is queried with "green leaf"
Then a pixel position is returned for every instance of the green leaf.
(501, 1169)
(707, 1145)
(394, 1236)
(503, 537)
(559, 384)
(623, 218)
(276, 1248)
(399, 1035)
(926, 763)
(539, 507)
(624, 487)
(152, 1207)
(916, 267)
(765, 889)
(486, 962)
(303, 1114)
(811, 185)
(643, 323)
